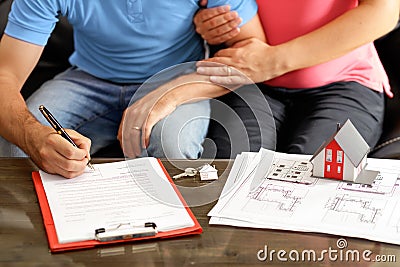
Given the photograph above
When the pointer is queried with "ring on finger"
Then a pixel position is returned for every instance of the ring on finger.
(229, 70)
(136, 128)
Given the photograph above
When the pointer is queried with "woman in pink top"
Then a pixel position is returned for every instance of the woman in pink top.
(318, 68)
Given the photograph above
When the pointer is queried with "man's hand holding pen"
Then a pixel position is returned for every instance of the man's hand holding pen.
(54, 154)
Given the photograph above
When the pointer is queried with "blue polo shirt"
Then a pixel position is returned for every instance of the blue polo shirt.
(125, 41)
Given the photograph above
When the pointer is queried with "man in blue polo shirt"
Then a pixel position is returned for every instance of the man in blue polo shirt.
(118, 46)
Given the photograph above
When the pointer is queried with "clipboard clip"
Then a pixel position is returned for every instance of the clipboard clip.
(125, 231)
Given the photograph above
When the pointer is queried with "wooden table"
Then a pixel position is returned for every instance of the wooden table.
(23, 239)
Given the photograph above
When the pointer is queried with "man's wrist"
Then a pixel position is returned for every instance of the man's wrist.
(30, 130)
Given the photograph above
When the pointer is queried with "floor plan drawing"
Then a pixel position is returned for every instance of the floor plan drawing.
(277, 198)
(383, 184)
(292, 171)
(346, 209)
(312, 204)
(394, 222)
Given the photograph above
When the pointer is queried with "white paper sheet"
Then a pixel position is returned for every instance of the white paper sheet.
(325, 205)
(126, 192)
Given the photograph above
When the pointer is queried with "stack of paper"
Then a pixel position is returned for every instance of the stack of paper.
(276, 191)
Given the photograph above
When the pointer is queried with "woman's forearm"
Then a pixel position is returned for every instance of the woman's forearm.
(361, 25)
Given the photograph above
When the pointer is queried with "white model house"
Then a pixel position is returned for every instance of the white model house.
(344, 157)
(208, 172)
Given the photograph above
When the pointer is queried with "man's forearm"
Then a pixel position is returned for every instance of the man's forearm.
(17, 60)
(15, 119)
(193, 87)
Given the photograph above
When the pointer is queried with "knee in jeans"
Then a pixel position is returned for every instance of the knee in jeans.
(183, 149)
(173, 145)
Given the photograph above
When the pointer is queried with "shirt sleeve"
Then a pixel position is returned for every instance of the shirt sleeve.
(246, 9)
(32, 20)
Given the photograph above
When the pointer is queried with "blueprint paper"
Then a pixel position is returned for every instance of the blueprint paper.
(310, 204)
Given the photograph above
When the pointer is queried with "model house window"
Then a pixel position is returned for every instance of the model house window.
(328, 168)
(339, 156)
(339, 169)
(329, 155)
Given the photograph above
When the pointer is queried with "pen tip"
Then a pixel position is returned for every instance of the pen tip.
(90, 166)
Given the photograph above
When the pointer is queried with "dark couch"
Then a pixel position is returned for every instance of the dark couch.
(60, 46)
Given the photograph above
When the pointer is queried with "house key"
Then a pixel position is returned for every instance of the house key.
(188, 172)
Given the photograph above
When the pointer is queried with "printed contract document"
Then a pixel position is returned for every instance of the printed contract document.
(131, 192)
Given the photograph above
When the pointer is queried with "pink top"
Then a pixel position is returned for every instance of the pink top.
(284, 20)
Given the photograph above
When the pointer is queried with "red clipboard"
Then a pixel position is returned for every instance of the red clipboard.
(55, 246)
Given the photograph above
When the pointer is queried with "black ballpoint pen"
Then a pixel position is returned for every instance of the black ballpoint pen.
(57, 126)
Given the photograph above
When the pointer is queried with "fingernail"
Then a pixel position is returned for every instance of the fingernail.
(226, 8)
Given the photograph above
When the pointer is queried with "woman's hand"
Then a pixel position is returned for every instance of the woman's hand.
(251, 60)
(218, 24)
